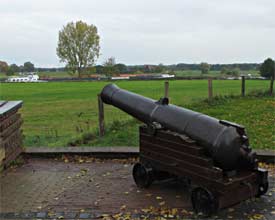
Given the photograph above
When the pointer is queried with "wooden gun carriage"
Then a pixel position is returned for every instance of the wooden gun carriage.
(213, 155)
(164, 153)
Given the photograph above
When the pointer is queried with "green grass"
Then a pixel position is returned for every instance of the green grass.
(3, 76)
(56, 113)
(59, 74)
(197, 73)
(256, 113)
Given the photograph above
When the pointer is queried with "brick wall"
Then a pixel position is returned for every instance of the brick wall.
(10, 132)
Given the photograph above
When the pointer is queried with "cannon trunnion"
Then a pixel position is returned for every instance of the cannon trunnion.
(212, 155)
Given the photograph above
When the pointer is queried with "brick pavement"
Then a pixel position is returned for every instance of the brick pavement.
(48, 188)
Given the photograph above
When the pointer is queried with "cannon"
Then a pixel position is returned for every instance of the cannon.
(214, 155)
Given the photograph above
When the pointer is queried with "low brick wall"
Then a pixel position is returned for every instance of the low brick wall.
(10, 132)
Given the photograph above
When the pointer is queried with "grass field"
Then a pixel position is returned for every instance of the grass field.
(61, 74)
(56, 113)
(197, 73)
(185, 73)
(257, 114)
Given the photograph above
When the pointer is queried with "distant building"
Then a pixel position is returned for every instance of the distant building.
(27, 78)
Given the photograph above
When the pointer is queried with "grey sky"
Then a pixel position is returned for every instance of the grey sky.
(143, 31)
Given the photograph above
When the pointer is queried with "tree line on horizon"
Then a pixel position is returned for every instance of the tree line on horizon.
(14, 68)
(110, 67)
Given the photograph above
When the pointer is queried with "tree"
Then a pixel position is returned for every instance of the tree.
(205, 67)
(90, 70)
(235, 71)
(13, 68)
(160, 68)
(224, 70)
(28, 67)
(99, 69)
(110, 67)
(78, 46)
(230, 71)
(111, 61)
(122, 68)
(267, 68)
(4, 67)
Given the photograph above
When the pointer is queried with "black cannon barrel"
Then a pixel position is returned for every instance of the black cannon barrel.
(224, 141)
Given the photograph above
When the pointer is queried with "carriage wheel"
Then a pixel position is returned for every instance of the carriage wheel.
(262, 189)
(143, 176)
(203, 201)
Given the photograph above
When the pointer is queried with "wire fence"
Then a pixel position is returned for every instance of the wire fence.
(86, 119)
(187, 94)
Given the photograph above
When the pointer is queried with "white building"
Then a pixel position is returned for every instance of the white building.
(27, 78)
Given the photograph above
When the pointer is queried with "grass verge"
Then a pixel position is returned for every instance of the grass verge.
(255, 112)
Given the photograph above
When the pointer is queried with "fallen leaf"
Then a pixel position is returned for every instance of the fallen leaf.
(159, 198)
(117, 216)
(162, 203)
(174, 211)
(258, 216)
(105, 215)
(145, 210)
(184, 212)
(123, 207)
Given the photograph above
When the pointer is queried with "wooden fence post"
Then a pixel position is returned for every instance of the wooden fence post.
(210, 89)
(166, 89)
(272, 82)
(271, 86)
(101, 116)
(243, 86)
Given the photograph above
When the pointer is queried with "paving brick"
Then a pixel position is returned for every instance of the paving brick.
(41, 215)
(70, 215)
(84, 215)
(95, 188)
(59, 215)
(29, 215)
(8, 215)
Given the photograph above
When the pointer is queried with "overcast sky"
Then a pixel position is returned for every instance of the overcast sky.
(142, 31)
